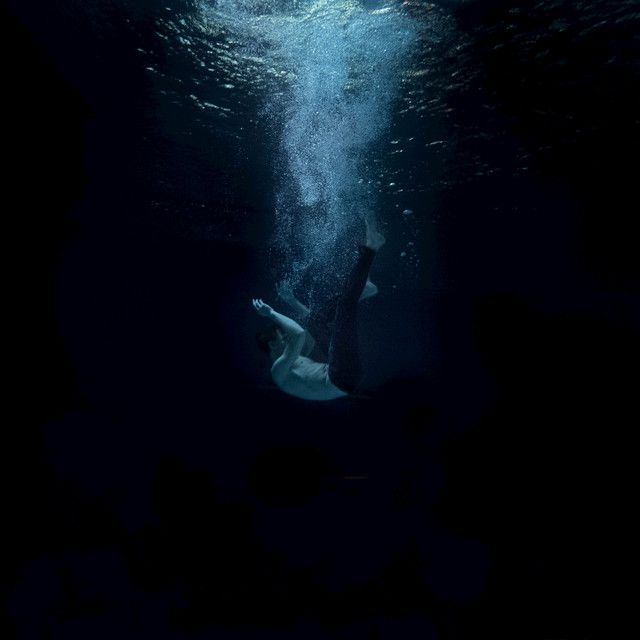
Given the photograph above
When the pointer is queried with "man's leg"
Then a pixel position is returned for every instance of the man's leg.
(345, 368)
(317, 323)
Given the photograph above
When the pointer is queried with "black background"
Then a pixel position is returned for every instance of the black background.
(155, 485)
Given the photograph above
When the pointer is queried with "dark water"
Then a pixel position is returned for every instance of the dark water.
(157, 485)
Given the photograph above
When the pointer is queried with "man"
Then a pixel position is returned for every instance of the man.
(288, 344)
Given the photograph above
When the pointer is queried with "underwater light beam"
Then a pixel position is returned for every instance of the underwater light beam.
(342, 64)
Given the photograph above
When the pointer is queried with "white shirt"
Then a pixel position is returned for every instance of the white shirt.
(309, 380)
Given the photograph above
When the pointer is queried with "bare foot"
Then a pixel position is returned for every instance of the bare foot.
(369, 290)
(374, 239)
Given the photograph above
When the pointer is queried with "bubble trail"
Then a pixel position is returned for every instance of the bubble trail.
(341, 63)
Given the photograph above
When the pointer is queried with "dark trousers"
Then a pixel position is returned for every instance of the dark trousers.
(334, 326)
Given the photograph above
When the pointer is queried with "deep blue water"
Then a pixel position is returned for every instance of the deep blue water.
(166, 165)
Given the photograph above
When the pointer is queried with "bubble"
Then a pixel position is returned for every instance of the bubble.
(343, 67)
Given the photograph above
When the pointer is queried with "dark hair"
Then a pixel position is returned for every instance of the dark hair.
(264, 337)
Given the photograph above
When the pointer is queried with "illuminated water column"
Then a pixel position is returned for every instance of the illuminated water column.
(342, 63)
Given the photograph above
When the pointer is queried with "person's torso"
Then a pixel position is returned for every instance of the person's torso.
(310, 380)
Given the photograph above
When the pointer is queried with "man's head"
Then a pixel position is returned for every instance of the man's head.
(270, 341)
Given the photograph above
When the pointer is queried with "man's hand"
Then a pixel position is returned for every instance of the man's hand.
(262, 308)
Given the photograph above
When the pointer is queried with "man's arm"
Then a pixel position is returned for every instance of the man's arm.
(289, 327)
(294, 337)
(308, 343)
(294, 341)
(285, 293)
(301, 313)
